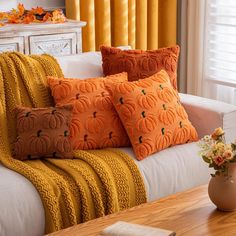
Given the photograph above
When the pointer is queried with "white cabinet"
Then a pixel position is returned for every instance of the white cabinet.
(54, 39)
(12, 44)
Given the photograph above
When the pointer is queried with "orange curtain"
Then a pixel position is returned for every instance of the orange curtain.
(142, 24)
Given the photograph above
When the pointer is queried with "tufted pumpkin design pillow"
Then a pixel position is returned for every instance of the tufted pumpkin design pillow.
(95, 123)
(152, 114)
(140, 64)
(43, 132)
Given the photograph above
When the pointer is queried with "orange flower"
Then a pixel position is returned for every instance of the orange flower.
(37, 11)
(21, 9)
(47, 17)
(1, 24)
(3, 15)
(29, 19)
(13, 19)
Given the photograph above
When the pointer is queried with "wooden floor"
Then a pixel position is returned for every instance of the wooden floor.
(187, 213)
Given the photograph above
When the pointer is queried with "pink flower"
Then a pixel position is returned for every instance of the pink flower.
(219, 160)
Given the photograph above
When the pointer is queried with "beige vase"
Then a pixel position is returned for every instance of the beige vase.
(222, 190)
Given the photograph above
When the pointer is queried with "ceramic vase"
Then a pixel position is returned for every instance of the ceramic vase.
(222, 190)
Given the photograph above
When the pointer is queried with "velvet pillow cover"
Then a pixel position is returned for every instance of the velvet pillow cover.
(43, 132)
(152, 114)
(95, 123)
(140, 64)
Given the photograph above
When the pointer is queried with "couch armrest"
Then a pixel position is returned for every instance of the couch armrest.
(207, 114)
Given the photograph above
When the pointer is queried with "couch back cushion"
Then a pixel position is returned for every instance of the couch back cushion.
(95, 123)
(84, 65)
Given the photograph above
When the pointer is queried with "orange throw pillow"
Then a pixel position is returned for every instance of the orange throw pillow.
(140, 64)
(95, 123)
(152, 114)
(43, 132)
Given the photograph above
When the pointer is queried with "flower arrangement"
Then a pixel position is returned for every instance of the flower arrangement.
(216, 152)
(35, 15)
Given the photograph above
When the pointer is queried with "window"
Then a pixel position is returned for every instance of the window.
(220, 50)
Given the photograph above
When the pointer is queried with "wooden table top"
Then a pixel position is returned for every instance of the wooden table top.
(186, 213)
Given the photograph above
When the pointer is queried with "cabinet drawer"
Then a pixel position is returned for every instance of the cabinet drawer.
(54, 44)
(12, 44)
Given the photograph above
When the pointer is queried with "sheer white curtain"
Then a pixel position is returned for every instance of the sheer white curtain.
(195, 45)
(211, 49)
(191, 29)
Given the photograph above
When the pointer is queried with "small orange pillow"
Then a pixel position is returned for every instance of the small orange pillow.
(151, 112)
(43, 132)
(95, 123)
(140, 64)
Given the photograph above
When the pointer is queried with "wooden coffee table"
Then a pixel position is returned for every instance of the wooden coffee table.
(186, 213)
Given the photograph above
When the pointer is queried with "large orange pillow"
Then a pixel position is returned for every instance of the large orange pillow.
(95, 123)
(140, 64)
(43, 132)
(152, 114)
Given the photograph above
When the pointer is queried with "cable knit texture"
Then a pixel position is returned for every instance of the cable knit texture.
(93, 184)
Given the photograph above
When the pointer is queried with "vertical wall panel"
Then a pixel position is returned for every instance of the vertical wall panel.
(141, 24)
(102, 23)
(87, 13)
(152, 24)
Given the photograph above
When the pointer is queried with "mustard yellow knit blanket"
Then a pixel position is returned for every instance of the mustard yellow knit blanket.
(93, 184)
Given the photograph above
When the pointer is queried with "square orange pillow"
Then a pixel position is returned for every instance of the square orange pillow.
(140, 64)
(43, 132)
(95, 122)
(152, 114)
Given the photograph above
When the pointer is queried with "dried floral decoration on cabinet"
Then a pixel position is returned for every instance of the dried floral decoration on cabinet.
(35, 15)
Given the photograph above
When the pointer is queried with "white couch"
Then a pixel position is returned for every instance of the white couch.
(169, 171)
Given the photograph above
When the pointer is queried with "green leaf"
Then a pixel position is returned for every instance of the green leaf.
(211, 165)
(206, 159)
(233, 160)
(233, 146)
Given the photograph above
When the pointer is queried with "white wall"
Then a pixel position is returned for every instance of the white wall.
(6, 5)
(43, 3)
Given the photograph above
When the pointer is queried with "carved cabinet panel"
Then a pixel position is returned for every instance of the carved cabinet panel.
(57, 44)
(12, 44)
